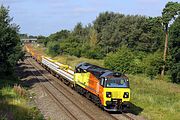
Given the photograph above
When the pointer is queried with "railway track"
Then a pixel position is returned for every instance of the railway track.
(68, 112)
(59, 103)
(87, 114)
(55, 99)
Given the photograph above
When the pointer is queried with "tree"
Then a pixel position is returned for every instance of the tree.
(174, 48)
(53, 48)
(171, 11)
(58, 36)
(121, 60)
(10, 49)
(78, 29)
(93, 38)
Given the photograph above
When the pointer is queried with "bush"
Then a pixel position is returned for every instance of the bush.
(92, 53)
(125, 60)
(75, 52)
(53, 48)
(153, 63)
(121, 60)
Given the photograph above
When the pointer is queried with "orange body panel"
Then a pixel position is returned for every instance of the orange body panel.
(93, 85)
(101, 91)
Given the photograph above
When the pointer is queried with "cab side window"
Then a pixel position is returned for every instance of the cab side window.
(102, 82)
(77, 70)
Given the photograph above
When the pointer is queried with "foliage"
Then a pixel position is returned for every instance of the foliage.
(14, 101)
(175, 51)
(110, 32)
(152, 64)
(10, 49)
(125, 60)
(58, 36)
(53, 48)
(136, 32)
(171, 10)
(120, 60)
(41, 39)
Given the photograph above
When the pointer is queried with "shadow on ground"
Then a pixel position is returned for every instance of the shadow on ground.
(26, 73)
(133, 109)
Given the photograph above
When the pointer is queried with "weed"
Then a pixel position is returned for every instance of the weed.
(14, 103)
(19, 90)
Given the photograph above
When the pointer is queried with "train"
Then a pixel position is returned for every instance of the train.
(108, 89)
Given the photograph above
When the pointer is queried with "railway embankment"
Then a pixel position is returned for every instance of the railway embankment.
(15, 101)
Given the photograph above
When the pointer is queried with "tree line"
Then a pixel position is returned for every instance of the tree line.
(128, 43)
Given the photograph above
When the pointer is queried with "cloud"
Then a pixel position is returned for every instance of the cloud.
(148, 1)
(8, 2)
(84, 10)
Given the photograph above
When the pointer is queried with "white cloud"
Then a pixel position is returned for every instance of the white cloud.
(84, 10)
(8, 2)
(148, 1)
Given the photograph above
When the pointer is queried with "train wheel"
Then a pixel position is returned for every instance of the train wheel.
(88, 95)
(71, 85)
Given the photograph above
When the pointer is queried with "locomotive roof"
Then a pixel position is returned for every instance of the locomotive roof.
(90, 67)
(96, 70)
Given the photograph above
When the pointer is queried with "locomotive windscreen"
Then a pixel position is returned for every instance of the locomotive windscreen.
(117, 83)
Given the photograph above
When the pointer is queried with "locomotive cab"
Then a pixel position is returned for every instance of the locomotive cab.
(116, 92)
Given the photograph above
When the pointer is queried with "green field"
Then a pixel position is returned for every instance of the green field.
(15, 103)
(158, 99)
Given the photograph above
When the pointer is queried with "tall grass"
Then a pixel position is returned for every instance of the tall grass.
(14, 103)
(159, 100)
(73, 61)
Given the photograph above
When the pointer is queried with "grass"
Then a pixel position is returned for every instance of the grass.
(73, 61)
(154, 99)
(159, 99)
(69, 60)
(14, 102)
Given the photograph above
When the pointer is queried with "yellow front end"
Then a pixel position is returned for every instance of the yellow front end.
(115, 98)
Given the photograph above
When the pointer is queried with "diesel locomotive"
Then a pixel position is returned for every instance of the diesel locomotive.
(110, 90)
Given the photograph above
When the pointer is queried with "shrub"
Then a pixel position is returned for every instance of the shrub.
(53, 48)
(120, 60)
(125, 60)
(152, 63)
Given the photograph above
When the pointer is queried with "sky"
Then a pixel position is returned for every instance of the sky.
(44, 17)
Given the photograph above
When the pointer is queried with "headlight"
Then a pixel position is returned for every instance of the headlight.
(108, 94)
(126, 95)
